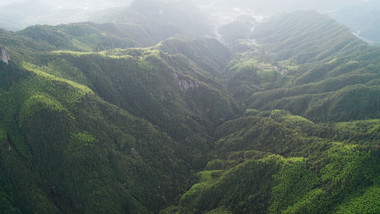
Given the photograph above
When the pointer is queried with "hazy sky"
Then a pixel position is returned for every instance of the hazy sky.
(100, 4)
(78, 3)
(17, 14)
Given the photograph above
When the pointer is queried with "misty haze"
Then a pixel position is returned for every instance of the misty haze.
(190, 106)
(360, 16)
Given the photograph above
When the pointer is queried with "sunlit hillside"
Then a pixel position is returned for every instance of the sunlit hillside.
(174, 108)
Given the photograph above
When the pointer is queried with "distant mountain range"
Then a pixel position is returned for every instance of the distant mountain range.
(18, 14)
(147, 111)
(360, 16)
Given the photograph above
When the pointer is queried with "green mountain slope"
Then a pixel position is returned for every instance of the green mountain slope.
(276, 162)
(337, 82)
(106, 118)
(208, 54)
(281, 163)
(61, 158)
(112, 126)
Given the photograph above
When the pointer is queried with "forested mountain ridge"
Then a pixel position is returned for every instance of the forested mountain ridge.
(99, 118)
(270, 161)
(158, 20)
(335, 72)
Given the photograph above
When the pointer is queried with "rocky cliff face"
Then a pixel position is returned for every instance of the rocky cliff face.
(4, 56)
(185, 85)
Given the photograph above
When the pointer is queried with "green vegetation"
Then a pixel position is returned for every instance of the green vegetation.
(111, 118)
(334, 84)
(367, 203)
(234, 31)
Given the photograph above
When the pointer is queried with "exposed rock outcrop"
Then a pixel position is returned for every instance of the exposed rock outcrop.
(185, 85)
(4, 56)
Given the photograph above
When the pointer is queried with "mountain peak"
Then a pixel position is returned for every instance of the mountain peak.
(4, 56)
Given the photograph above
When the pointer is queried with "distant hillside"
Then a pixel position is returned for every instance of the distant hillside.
(19, 14)
(315, 38)
(159, 19)
(362, 19)
(130, 117)
(334, 71)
